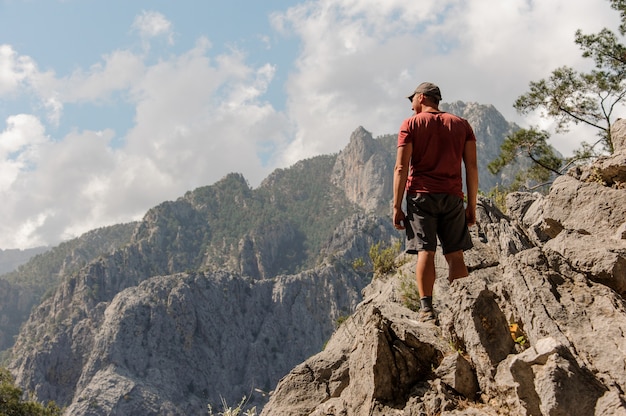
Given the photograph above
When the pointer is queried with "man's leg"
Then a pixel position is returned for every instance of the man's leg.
(456, 265)
(425, 272)
(425, 275)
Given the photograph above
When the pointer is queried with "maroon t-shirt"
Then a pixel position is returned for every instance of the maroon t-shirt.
(438, 142)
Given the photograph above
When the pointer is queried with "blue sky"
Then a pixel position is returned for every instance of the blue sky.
(109, 108)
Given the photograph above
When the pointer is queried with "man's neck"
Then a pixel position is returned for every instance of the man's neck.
(430, 109)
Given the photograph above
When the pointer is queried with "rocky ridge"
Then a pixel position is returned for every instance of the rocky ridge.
(536, 329)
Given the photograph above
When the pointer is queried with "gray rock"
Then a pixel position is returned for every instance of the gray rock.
(618, 135)
(562, 293)
(545, 380)
(456, 372)
(608, 170)
(362, 171)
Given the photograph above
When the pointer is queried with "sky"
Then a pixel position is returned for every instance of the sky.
(108, 108)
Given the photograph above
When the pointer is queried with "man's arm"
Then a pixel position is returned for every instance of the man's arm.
(400, 174)
(471, 177)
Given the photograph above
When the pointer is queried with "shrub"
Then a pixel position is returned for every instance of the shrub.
(11, 402)
(384, 260)
(409, 292)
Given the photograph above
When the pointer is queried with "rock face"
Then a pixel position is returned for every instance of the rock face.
(362, 171)
(536, 329)
(172, 344)
(161, 347)
(22, 289)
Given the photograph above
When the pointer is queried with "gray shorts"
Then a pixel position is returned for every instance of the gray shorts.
(436, 215)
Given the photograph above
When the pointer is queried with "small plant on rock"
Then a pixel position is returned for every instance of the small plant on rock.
(409, 292)
(385, 260)
(233, 411)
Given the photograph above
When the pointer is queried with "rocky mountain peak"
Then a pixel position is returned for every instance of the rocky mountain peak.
(362, 171)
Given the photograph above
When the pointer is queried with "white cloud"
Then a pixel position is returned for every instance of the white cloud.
(20, 146)
(360, 58)
(151, 24)
(200, 114)
(14, 69)
(120, 70)
(197, 118)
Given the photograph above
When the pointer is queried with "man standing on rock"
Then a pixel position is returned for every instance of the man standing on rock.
(431, 146)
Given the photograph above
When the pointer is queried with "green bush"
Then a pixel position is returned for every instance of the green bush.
(11, 403)
(409, 292)
(385, 260)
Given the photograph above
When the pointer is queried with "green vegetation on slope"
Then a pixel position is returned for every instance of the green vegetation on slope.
(11, 403)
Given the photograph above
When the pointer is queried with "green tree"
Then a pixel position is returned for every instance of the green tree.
(385, 260)
(571, 97)
(11, 403)
(531, 143)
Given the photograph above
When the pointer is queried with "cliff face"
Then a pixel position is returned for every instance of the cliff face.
(536, 329)
(23, 288)
(216, 294)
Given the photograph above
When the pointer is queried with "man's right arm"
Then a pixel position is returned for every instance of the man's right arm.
(400, 175)
(471, 177)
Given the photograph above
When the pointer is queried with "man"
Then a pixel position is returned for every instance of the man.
(431, 146)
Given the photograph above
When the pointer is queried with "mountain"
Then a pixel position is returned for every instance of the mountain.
(10, 259)
(215, 294)
(24, 288)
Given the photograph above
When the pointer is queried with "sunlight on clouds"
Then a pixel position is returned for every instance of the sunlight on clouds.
(353, 69)
(19, 149)
(120, 70)
(200, 114)
(251, 90)
(14, 69)
(27, 234)
(359, 58)
(20, 143)
(151, 24)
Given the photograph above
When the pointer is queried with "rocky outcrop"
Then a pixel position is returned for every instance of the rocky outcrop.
(163, 348)
(363, 168)
(536, 329)
(21, 290)
(362, 171)
(15, 303)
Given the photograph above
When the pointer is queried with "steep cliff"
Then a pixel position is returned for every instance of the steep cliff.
(23, 288)
(536, 329)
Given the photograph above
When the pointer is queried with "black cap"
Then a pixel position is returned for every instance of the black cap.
(426, 88)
